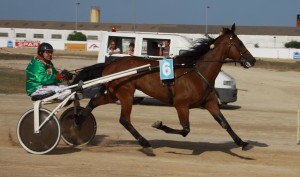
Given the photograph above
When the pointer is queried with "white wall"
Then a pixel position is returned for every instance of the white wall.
(269, 46)
(278, 53)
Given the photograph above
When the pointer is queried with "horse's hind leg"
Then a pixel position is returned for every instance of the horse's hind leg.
(214, 110)
(183, 114)
(93, 103)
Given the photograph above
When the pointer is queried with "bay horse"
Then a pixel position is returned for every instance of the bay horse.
(193, 86)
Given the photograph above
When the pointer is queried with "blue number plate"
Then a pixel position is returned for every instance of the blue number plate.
(166, 69)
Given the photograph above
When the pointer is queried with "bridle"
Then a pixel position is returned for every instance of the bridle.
(243, 60)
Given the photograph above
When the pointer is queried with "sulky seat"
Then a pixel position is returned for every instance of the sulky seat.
(40, 97)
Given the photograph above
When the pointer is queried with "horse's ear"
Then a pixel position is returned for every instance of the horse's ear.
(233, 28)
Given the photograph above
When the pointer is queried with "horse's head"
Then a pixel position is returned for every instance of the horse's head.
(236, 49)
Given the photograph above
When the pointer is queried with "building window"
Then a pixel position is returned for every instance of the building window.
(56, 36)
(38, 35)
(21, 35)
(89, 37)
(3, 34)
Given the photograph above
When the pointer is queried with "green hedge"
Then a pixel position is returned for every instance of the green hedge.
(292, 44)
(77, 36)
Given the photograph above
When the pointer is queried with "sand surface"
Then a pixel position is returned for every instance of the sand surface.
(265, 115)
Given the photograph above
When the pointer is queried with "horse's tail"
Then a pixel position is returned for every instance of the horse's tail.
(89, 73)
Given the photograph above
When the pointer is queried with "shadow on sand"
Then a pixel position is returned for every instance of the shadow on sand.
(64, 150)
(197, 148)
(230, 107)
(154, 102)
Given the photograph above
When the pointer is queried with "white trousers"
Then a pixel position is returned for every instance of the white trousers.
(91, 92)
(42, 90)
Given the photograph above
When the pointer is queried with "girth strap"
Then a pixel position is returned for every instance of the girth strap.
(170, 94)
(169, 84)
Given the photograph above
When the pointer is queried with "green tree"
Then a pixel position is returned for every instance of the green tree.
(77, 36)
(292, 44)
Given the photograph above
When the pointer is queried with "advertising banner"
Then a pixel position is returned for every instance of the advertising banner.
(75, 47)
(25, 43)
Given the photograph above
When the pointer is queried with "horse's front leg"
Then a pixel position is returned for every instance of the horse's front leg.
(183, 115)
(213, 107)
(126, 101)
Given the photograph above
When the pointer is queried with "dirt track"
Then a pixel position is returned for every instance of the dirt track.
(265, 115)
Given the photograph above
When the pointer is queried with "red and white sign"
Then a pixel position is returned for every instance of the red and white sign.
(93, 46)
(34, 44)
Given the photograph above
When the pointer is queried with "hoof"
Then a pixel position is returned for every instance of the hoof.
(246, 146)
(148, 151)
(157, 124)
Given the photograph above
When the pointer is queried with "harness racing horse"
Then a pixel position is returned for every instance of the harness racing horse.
(193, 86)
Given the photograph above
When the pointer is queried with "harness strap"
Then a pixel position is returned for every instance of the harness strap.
(207, 91)
(203, 78)
(168, 82)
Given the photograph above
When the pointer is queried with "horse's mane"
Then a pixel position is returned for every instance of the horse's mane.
(200, 47)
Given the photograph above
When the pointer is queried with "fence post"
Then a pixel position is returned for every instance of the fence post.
(298, 125)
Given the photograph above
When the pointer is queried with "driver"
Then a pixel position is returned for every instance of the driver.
(41, 76)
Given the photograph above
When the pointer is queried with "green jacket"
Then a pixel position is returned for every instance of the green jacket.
(40, 73)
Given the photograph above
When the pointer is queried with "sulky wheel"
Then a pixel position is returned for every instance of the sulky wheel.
(74, 134)
(48, 136)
